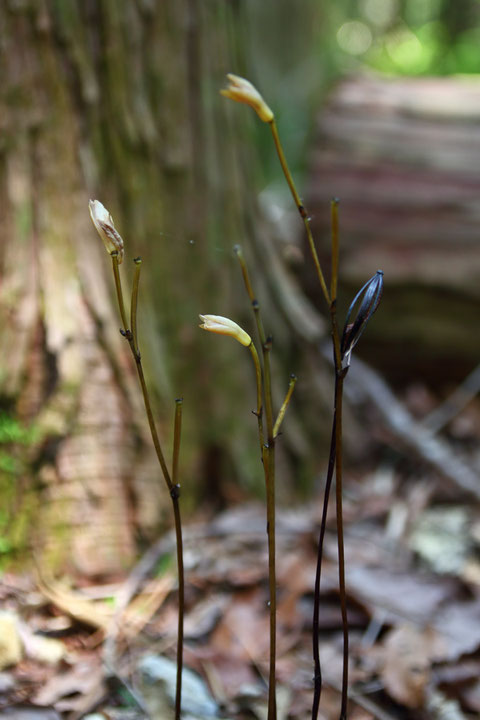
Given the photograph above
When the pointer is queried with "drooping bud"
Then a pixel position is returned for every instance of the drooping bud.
(224, 326)
(103, 222)
(243, 91)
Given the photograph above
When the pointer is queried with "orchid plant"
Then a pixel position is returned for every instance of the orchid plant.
(114, 245)
(241, 90)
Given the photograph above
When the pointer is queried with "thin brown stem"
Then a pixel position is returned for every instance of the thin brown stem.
(181, 599)
(339, 378)
(283, 409)
(251, 294)
(267, 346)
(259, 410)
(337, 355)
(301, 209)
(341, 552)
(334, 462)
(177, 431)
(151, 423)
(268, 458)
(269, 471)
(243, 266)
(174, 493)
(134, 302)
(118, 288)
(335, 249)
(317, 680)
(173, 487)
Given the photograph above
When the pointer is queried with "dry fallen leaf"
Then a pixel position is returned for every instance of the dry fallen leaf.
(459, 624)
(80, 680)
(407, 663)
(406, 594)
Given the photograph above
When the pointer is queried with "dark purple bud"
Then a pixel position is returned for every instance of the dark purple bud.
(369, 298)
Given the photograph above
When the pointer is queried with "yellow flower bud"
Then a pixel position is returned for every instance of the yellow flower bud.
(243, 91)
(103, 222)
(224, 326)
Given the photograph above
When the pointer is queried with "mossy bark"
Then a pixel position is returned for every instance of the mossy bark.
(118, 100)
(100, 99)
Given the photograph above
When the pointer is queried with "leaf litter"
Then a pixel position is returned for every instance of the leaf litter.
(413, 583)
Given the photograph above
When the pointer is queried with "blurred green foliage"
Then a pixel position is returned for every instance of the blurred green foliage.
(17, 502)
(411, 37)
(326, 40)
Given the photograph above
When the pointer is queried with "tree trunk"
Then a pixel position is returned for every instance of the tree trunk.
(96, 102)
(118, 100)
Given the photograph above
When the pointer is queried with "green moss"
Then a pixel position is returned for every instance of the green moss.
(18, 502)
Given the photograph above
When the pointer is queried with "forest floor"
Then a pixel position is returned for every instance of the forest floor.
(413, 580)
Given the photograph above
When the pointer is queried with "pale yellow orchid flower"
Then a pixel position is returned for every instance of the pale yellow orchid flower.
(243, 91)
(225, 326)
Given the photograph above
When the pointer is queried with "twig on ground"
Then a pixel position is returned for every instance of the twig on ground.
(454, 403)
(367, 385)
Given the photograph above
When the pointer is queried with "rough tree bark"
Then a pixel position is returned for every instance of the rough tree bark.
(118, 100)
(100, 99)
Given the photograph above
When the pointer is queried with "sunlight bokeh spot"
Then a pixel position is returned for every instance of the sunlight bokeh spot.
(354, 37)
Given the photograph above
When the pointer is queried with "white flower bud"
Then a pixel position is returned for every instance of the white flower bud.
(243, 91)
(103, 222)
(224, 326)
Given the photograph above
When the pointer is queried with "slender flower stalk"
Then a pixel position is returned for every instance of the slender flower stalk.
(268, 459)
(301, 209)
(175, 494)
(114, 244)
(342, 349)
(225, 326)
(118, 289)
(269, 471)
(317, 678)
(259, 411)
(335, 452)
(340, 540)
(134, 302)
(335, 459)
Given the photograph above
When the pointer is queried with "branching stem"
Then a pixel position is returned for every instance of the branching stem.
(283, 409)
